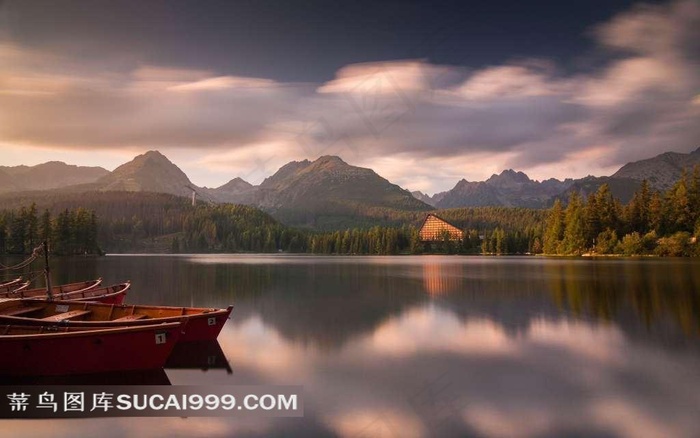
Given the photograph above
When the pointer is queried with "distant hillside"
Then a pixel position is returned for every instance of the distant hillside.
(46, 176)
(330, 194)
(509, 189)
(662, 171)
(7, 184)
(621, 188)
(326, 193)
(150, 172)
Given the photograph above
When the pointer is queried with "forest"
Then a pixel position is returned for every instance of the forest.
(652, 223)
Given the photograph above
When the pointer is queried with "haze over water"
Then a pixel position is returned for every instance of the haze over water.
(429, 345)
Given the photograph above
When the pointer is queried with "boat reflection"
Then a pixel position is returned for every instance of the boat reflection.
(138, 377)
(204, 355)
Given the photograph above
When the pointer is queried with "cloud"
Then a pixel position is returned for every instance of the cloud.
(526, 114)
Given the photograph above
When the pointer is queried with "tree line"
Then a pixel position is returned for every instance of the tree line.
(70, 231)
(665, 224)
(651, 223)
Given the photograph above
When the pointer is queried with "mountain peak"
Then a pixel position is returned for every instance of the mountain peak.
(509, 176)
(329, 161)
(660, 171)
(149, 172)
(236, 185)
(152, 155)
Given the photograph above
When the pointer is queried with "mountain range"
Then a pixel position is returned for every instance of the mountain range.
(46, 176)
(328, 192)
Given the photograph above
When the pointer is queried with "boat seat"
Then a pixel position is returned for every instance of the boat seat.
(66, 315)
(20, 311)
(133, 317)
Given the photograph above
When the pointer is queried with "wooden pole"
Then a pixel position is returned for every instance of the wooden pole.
(47, 271)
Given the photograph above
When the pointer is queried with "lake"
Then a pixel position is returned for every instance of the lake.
(413, 346)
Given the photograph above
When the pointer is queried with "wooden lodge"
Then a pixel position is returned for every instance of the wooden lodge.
(434, 228)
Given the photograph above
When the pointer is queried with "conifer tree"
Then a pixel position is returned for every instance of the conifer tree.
(574, 227)
(554, 231)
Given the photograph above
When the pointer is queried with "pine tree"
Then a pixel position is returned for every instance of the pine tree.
(554, 231)
(574, 233)
(678, 209)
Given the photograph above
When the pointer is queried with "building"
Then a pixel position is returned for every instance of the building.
(434, 228)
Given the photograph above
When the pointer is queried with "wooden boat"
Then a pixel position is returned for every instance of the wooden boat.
(53, 350)
(114, 294)
(11, 288)
(201, 323)
(11, 282)
(60, 290)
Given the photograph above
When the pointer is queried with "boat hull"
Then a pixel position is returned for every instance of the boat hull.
(88, 351)
(202, 326)
(107, 295)
(60, 290)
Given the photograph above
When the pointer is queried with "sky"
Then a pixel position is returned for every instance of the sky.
(424, 93)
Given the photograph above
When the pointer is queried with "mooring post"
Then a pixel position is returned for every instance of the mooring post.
(47, 271)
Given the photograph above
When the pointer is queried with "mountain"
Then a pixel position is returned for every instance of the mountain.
(662, 171)
(7, 183)
(235, 186)
(508, 189)
(329, 191)
(237, 191)
(430, 200)
(621, 188)
(150, 172)
(46, 176)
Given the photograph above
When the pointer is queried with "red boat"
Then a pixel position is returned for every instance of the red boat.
(11, 288)
(44, 351)
(114, 294)
(200, 323)
(61, 290)
(11, 282)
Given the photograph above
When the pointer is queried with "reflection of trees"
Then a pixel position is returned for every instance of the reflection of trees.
(325, 302)
(656, 291)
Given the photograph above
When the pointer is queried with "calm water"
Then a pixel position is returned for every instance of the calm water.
(429, 346)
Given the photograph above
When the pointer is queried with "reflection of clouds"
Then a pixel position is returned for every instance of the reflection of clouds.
(552, 377)
(493, 422)
(253, 344)
(151, 427)
(429, 329)
(598, 343)
(377, 423)
(625, 419)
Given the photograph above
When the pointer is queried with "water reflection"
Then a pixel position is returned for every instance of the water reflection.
(432, 346)
(658, 294)
(203, 355)
(441, 279)
(137, 377)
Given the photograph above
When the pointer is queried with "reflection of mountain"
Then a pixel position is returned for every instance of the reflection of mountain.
(332, 304)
